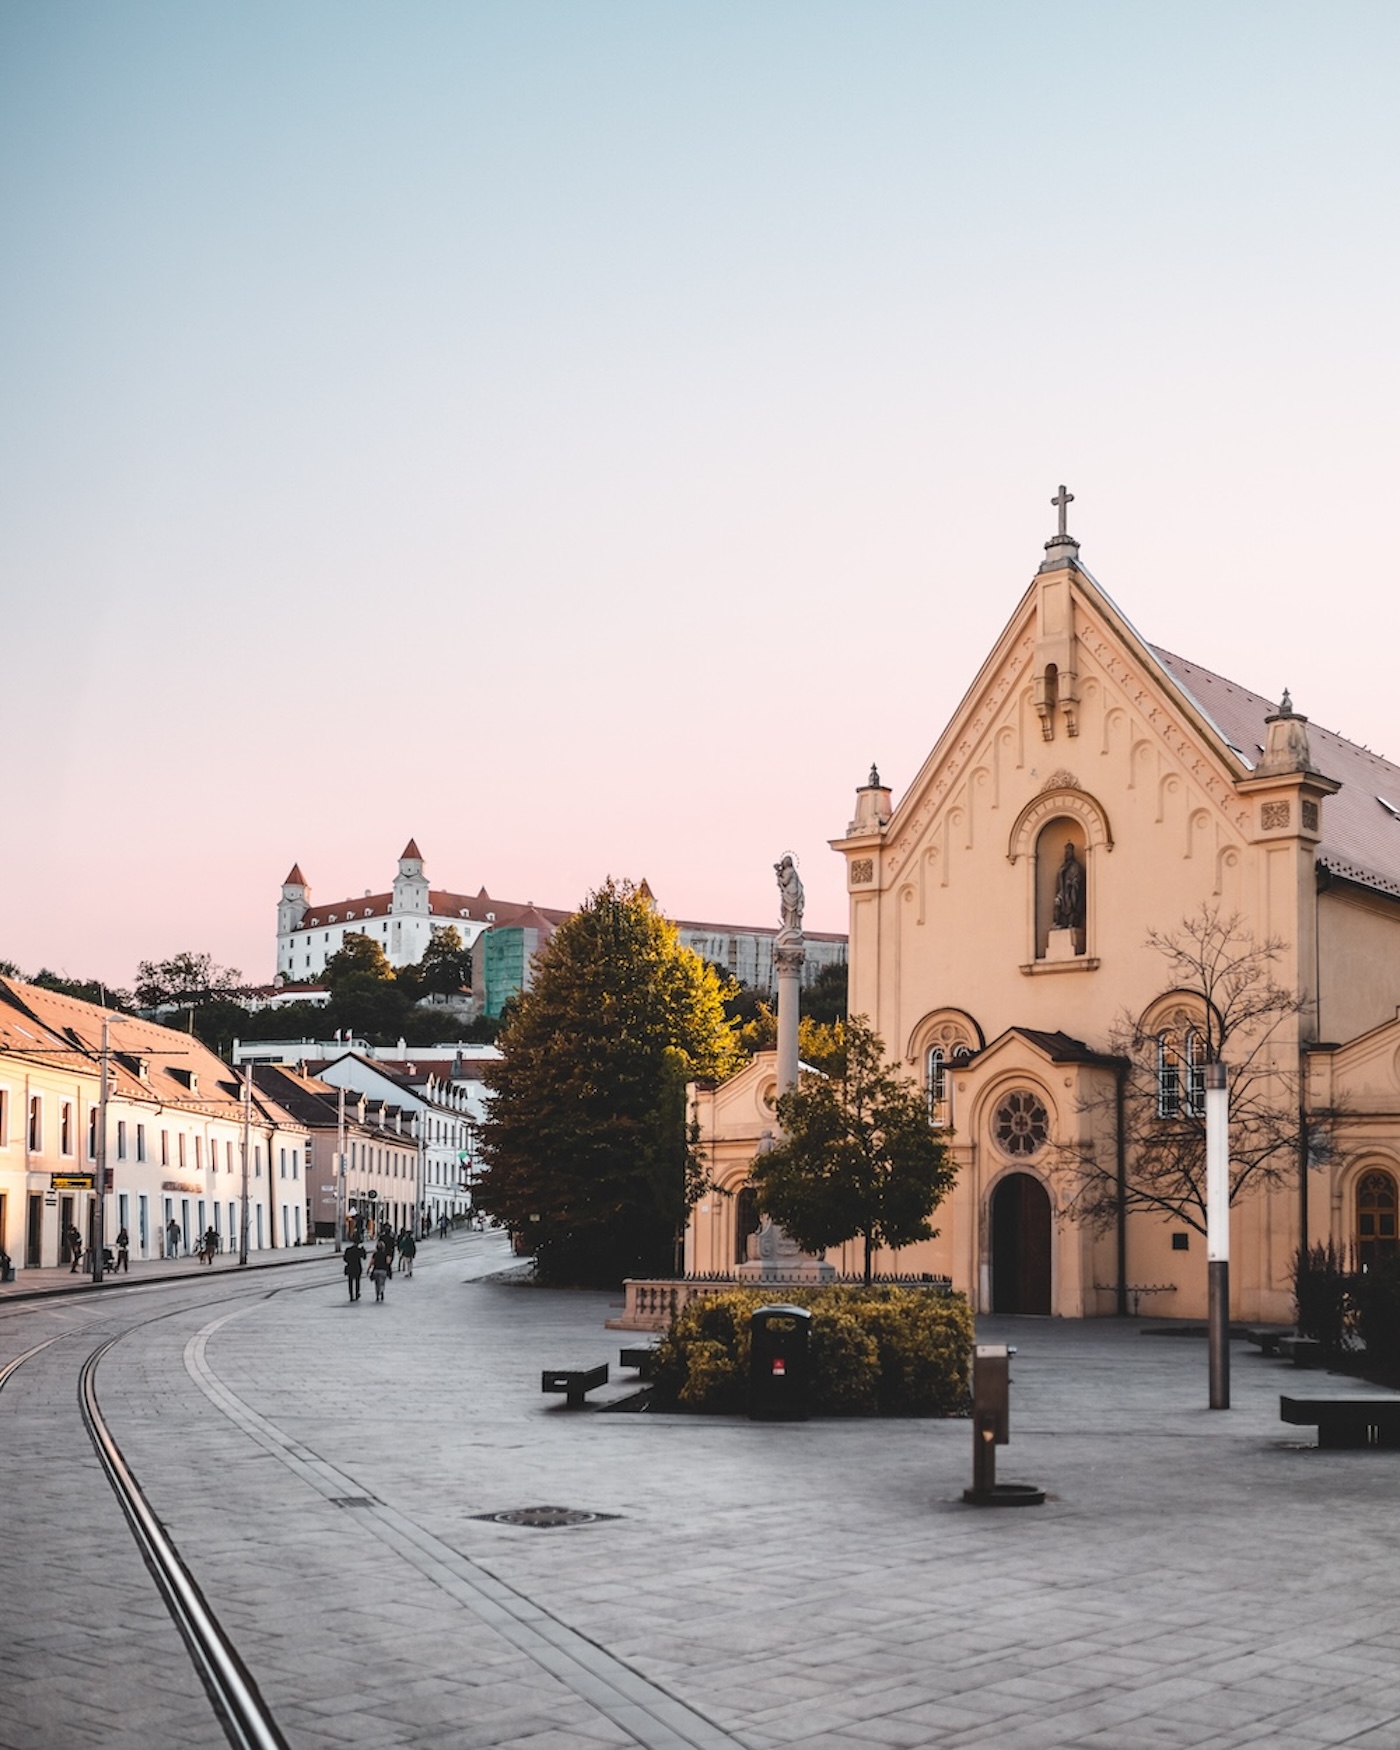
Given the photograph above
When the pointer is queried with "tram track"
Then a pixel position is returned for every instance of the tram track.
(651, 1716)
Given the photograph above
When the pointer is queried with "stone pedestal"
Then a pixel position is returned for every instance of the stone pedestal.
(775, 1257)
(1064, 945)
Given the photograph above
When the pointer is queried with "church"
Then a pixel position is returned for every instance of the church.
(1093, 799)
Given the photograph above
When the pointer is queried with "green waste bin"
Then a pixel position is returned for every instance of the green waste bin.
(780, 1364)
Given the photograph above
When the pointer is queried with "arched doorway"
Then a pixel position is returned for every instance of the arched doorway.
(1020, 1245)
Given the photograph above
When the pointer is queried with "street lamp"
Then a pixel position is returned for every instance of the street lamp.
(1218, 1231)
(99, 1225)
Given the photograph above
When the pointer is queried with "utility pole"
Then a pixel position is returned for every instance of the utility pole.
(247, 1134)
(340, 1172)
(99, 1235)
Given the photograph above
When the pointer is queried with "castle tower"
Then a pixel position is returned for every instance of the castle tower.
(291, 909)
(410, 884)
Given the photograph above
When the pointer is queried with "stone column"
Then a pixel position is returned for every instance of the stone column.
(789, 952)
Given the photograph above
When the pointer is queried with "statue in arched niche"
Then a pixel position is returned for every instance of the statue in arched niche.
(1069, 893)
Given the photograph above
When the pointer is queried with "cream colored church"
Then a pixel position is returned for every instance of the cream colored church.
(1090, 789)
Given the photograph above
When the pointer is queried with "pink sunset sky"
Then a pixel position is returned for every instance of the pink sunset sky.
(584, 437)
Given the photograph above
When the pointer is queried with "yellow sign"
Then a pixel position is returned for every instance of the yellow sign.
(71, 1181)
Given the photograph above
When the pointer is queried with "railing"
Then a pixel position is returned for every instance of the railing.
(651, 1303)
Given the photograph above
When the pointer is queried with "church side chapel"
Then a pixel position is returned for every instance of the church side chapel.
(1093, 800)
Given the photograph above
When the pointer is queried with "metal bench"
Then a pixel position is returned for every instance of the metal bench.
(574, 1382)
(1346, 1423)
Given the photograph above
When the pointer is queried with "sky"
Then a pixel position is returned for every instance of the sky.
(584, 436)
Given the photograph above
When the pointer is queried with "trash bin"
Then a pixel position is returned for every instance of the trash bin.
(780, 1364)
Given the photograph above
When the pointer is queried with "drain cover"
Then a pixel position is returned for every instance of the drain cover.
(545, 1516)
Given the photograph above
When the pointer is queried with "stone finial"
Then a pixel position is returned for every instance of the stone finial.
(872, 806)
(1287, 748)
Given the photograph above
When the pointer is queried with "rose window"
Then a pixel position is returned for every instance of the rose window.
(1022, 1125)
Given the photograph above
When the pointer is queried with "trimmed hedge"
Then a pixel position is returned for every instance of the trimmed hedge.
(875, 1352)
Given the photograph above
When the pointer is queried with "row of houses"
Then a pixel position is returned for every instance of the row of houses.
(268, 1155)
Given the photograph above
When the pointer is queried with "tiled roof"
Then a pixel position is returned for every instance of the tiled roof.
(452, 907)
(1361, 834)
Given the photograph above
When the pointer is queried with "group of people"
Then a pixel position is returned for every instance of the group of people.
(387, 1246)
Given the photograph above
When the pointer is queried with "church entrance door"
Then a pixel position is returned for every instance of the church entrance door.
(1020, 1246)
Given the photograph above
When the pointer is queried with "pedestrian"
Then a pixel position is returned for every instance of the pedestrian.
(208, 1246)
(75, 1246)
(124, 1251)
(172, 1238)
(408, 1250)
(354, 1267)
(379, 1269)
(442, 1227)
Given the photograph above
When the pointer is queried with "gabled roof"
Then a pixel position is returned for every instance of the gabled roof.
(1361, 836)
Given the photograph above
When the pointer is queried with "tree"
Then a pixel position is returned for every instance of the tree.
(820, 1044)
(86, 990)
(858, 1159)
(358, 954)
(824, 999)
(587, 1149)
(1220, 1000)
(185, 978)
(446, 964)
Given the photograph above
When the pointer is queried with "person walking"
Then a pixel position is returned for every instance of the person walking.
(442, 1227)
(379, 1269)
(208, 1246)
(75, 1246)
(124, 1251)
(354, 1267)
(172, 1238)
(408, 1251)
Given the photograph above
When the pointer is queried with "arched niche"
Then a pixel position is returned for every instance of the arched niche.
(1060, 898)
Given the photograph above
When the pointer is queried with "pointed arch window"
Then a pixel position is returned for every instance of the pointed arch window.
(1376, 1209)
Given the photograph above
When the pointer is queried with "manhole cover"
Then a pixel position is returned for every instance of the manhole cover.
(545, 1516)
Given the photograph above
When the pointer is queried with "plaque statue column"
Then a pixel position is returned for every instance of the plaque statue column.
(789, 952)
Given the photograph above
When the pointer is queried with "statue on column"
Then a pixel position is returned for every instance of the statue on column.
(791, 898)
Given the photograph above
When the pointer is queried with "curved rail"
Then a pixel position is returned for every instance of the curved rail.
(240, 1707)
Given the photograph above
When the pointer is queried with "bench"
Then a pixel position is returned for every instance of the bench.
(1346, 1423)
(1302, 1351)
(642, 1357)
(574, 1382)
(1266, 1340)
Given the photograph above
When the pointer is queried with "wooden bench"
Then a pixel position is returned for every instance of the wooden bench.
(642, 1357)
(574, 1382)
(1346, 1423)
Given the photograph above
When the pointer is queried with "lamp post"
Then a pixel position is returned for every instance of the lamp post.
(1218, 1230)
(104, 1090)
(340, 1172)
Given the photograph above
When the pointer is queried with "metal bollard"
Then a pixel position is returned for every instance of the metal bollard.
(991, 1427)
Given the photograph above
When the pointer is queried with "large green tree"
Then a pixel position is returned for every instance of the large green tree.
(858, 1159)
(587, 1147)
(186, 978)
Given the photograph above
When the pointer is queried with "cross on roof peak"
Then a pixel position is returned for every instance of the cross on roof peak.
(1063, 499)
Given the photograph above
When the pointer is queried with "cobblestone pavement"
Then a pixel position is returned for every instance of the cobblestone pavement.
(1196, 1578)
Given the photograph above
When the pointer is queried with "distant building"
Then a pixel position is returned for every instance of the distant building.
(504, 935)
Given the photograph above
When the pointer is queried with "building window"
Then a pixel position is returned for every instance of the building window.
(65, 1128)
(199, 1154)
(4, 1117)
(165, 1148)
(1181, 1074)
(92, 1134)
(36, 1125)
(182, 1148)
(1375, 1218)
(282, 1163)
(1022, 1125)
(140, 1142)
(937, 1075)
(296, 1163)
(121, 1139)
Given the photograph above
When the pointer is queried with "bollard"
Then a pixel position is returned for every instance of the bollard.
(991, 1427)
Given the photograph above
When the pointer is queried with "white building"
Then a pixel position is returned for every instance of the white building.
(176, 1136)
(401, 920)
(447, 1098)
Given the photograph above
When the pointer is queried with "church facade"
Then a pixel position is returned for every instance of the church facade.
(1092, 793)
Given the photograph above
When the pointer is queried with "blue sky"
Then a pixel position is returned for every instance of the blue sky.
(539, 428)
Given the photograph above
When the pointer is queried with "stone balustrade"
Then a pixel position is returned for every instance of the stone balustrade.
(651, 1303)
